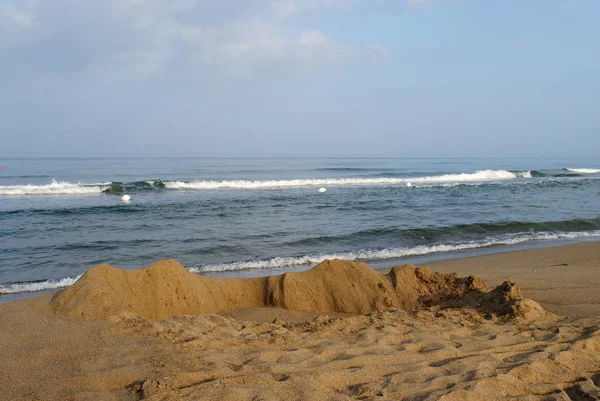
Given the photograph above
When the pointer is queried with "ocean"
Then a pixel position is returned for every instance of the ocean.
(247, 217)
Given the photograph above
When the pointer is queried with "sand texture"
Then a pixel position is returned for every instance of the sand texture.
(339, 331)
(385, 355)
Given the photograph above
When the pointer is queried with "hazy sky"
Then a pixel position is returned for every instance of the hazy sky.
(299, 78)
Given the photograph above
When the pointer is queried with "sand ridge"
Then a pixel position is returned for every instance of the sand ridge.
(166, 288)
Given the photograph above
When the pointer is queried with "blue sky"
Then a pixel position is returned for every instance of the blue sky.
(300, 78)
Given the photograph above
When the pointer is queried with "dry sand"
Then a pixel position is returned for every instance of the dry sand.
(563, 279)
(163, 333)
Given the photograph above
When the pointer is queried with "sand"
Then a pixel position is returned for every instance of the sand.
(563, 279)
(339, 331)
(167, 289)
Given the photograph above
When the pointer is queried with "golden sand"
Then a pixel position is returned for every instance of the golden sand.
(166, 289)
(339, 331)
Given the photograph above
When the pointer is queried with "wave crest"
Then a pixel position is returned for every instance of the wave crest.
(54, 188)
(67, 188)
(392, 253)
(358, 255)
(584, 170)
(16, 288)
(483, 175)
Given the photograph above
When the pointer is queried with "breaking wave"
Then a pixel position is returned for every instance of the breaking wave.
(484, 175)
(391, 253)
(34, 286)
(54, 188)
(365, 255)
(584, 170)
(67, 188)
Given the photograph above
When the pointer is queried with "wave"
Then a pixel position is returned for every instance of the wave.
(122, 187)
(67, 188)
(551, 173)
(35, 286)
(54, 188)
(445, 180)
(391, 253)
(535, 173)
(584, 170)
(483, 175)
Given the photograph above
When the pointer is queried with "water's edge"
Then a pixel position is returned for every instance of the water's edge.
(380, 265)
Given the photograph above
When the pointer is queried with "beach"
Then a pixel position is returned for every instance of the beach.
(299, 200)
(341, 331)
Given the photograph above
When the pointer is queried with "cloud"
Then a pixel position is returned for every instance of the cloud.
(142, 37)
(244, 46)
(289, 8)
(283, 8)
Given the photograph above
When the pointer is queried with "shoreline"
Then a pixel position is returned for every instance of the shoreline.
(442, 259)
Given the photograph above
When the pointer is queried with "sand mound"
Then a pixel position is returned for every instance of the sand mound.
(164, 289)
(167, 288)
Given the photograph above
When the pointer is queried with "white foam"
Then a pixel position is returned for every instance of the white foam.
(584, 170)
(37, 286)
(67, 188)
(391, 253)
(483, 175)
(54, 188)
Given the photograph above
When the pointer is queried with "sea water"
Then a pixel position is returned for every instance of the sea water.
(60, 217)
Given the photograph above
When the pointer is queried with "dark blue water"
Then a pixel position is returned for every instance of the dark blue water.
(59, 217)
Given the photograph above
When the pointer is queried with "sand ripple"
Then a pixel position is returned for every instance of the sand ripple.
(391, 354)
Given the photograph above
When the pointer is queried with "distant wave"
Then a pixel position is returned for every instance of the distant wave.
(444, 180)
(584, 170)
(484, 175)
(54, 188)
(35, 286)
(391, 253)
(552, 173)
(67, 188)
(121, 187)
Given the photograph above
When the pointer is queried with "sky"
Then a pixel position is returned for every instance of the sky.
(293, 78)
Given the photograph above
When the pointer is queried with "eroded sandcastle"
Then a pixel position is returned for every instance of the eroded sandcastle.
(166, 288)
